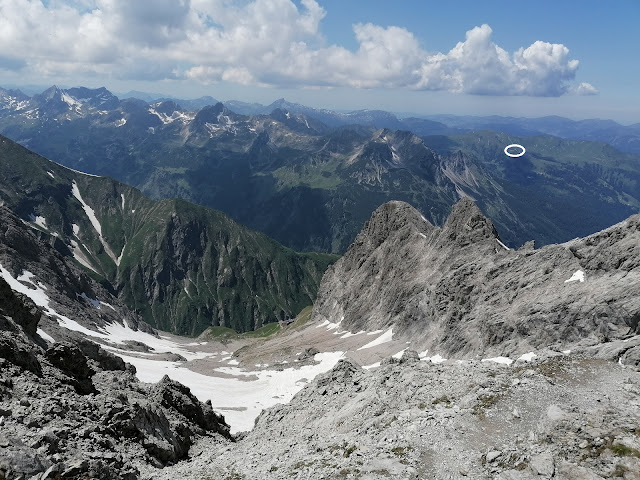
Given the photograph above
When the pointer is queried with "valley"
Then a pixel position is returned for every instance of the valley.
(157, 338)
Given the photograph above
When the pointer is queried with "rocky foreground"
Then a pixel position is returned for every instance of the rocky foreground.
(72, 410)
(559, 416)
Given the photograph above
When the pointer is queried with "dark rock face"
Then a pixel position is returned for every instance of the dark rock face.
(459, 290)
(19, 307)
(171, 394)
(73, 363)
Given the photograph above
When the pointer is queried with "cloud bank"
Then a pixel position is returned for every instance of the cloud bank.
(263, 42)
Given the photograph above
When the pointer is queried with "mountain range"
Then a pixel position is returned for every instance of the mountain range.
(310, 178)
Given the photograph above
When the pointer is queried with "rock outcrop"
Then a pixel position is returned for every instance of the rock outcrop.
(64, 415)
(459, 291)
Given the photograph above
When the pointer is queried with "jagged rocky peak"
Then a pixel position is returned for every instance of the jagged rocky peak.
(388, 219)
(467, 224)
(167, 107)
(211, 113)
(459, 292)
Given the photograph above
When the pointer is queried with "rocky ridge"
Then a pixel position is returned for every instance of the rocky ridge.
(458, 291)
(569, 417)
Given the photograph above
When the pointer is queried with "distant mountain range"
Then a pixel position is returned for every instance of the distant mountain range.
(310, 178)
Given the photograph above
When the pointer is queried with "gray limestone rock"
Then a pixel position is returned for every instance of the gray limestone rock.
(458, 291)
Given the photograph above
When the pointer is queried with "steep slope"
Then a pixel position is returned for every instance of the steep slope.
(180, 266)
(457, 290)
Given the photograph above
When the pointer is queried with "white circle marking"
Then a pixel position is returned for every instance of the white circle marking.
(506, 150)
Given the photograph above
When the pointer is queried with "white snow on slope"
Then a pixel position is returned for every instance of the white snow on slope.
(502, 245)
(45, 335)
(384, 338)
(79, 255)
(500, 360)
(398, 355)
(76, 229)
(435, 359)
(240, 401)
(38, 220)
(69, 100)
(121, 122)
(349, 334)
(118, 334)
(51, 174)
(373, 365)
(577, 276)
(526, 357)
(42, 300)
(94, 221)
(122, 196)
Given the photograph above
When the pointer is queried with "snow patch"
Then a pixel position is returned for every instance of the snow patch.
(240, 401)
(577, 276)
(94, 221)
(42, 300)
(502, 245)
(45, 335)
(435, 359)
(51, 174)
(384, 338)
(373, 365)
(76, 229)
(500, 360)
(122, 197)
(349, 334)
(79, 255)
(526, 357)
(398, 355)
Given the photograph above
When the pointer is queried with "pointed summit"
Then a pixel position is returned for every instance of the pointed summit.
(467, 224)
(389, 218)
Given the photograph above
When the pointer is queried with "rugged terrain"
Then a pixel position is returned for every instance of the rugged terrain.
(68, 408)
(182, 267)
(457, 290)
(562, 399)
(311, 185)
(570, 417)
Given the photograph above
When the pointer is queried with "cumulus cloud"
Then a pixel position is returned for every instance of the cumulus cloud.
(263, 42)
(585, 89)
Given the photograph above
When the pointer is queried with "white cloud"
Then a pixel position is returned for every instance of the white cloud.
(585, 89)
(262, 42)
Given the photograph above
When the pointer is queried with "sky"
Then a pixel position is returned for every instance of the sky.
(518, 58)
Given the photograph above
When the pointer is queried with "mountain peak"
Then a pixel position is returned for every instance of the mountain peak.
(467, 224)
(389, 218)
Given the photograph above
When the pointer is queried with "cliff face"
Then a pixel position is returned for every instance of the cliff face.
(459, 291)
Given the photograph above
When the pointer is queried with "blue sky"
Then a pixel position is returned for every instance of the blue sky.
(521, 58)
